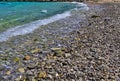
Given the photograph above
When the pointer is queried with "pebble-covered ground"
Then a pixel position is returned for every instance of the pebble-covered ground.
(83, 47)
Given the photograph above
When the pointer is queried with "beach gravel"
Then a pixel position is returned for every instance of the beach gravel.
(83, 47)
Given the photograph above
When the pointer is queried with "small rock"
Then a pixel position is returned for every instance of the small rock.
(31, 65)
(18, 78)
(55, 49)
(67, 54)
(50, 76)
(2, 52)
(8, 73)
(27, 57)
(35, 39)
(94, 16)
(36, 50)
(21, 70)
(77, 39)
(42, 75)
(56, 74)
(16, 59)
(50, 61)
(58, 53)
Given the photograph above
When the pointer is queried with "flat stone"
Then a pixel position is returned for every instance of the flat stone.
(55, 49)
(21, 70)
(67, 54)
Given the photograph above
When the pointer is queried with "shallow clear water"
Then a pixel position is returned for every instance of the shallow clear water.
(18, 13)
(19, 18)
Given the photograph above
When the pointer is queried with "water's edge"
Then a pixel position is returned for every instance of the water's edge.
(28, 28)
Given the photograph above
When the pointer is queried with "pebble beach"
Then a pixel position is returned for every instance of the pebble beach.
(82, 47)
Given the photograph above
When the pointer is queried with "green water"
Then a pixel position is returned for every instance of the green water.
(18, 13)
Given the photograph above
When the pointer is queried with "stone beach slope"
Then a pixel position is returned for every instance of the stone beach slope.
(83, 47)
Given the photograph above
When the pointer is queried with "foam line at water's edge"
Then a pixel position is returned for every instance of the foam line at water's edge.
(28, 28)
(79, 4)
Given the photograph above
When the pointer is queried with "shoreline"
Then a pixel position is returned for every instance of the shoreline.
(68, 49)
(30, 27)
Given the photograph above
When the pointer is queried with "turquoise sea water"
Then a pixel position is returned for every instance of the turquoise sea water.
(19, 18)
(18, 13)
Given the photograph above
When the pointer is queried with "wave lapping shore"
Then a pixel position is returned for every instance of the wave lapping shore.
(29, 27)
(70, 49)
